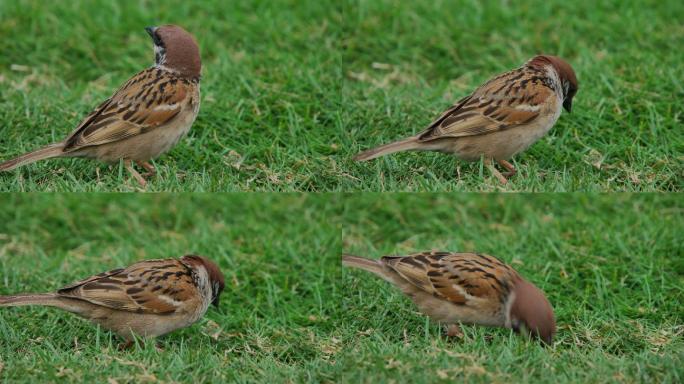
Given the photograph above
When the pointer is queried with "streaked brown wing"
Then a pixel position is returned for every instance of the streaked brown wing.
(504, 102)
(151, 286)
(148, 100)
(92, 278)
(454, 276)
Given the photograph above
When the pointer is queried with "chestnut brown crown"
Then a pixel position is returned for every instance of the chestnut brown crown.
(176, 50)
(565, 73)
(215, 275)
(531, 312)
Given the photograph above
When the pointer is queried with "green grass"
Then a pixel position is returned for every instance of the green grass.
(292, 90)
(611, 265)
(277, 319)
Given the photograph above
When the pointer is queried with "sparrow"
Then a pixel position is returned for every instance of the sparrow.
(470, 288)
(147, 299)
(146, 117)
(501, 118)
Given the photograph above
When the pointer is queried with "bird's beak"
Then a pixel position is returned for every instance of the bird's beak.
(150, 31)
(567, 104)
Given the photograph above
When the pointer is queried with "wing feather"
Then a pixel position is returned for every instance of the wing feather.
(507, 101)
(150, 99)
(455, 276)
(152, 286)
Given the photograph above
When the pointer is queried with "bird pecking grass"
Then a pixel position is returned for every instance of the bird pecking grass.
(611, 265)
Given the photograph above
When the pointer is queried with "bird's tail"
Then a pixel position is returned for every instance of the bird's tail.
(408, 144)
(49, 299)
(52, 150)
(372, 266)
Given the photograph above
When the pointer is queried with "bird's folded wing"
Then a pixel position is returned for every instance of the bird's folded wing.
(496, 106)
(144, 103)
(455, 277)
(152, 286)
(93, 278)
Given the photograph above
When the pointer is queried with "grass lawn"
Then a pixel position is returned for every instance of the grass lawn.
(276, 322)
(611, 265)
(291, 90)
(407, 61)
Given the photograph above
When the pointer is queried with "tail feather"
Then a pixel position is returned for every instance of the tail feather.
(52, 150)
(372, 266)
(49, 299)
(408, 144)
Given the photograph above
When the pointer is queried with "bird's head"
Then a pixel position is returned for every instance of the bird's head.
(175, 49)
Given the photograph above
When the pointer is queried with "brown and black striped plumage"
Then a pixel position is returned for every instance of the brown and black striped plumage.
(149, 100)
(455, 276)
(148, 298)
(501, 118)
(469, 288)
(151, 286)
(146, 117)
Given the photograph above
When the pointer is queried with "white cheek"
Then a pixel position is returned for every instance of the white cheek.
(159, 54)
(507, 310)
(557, 86)
(203, 284)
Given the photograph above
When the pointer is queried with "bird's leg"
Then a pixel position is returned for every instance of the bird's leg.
(495, 172)
(126, 346)
(136, 175)
(151, 171)
(454, 330)
(511, 169)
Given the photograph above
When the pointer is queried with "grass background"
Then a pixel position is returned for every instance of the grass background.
(276, 322)
(611, 265)
(292, 90)
(406, 62)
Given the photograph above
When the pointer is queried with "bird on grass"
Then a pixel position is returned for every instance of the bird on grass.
(147, 299)
(500, 119)
(145, 118)
(471, 288)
